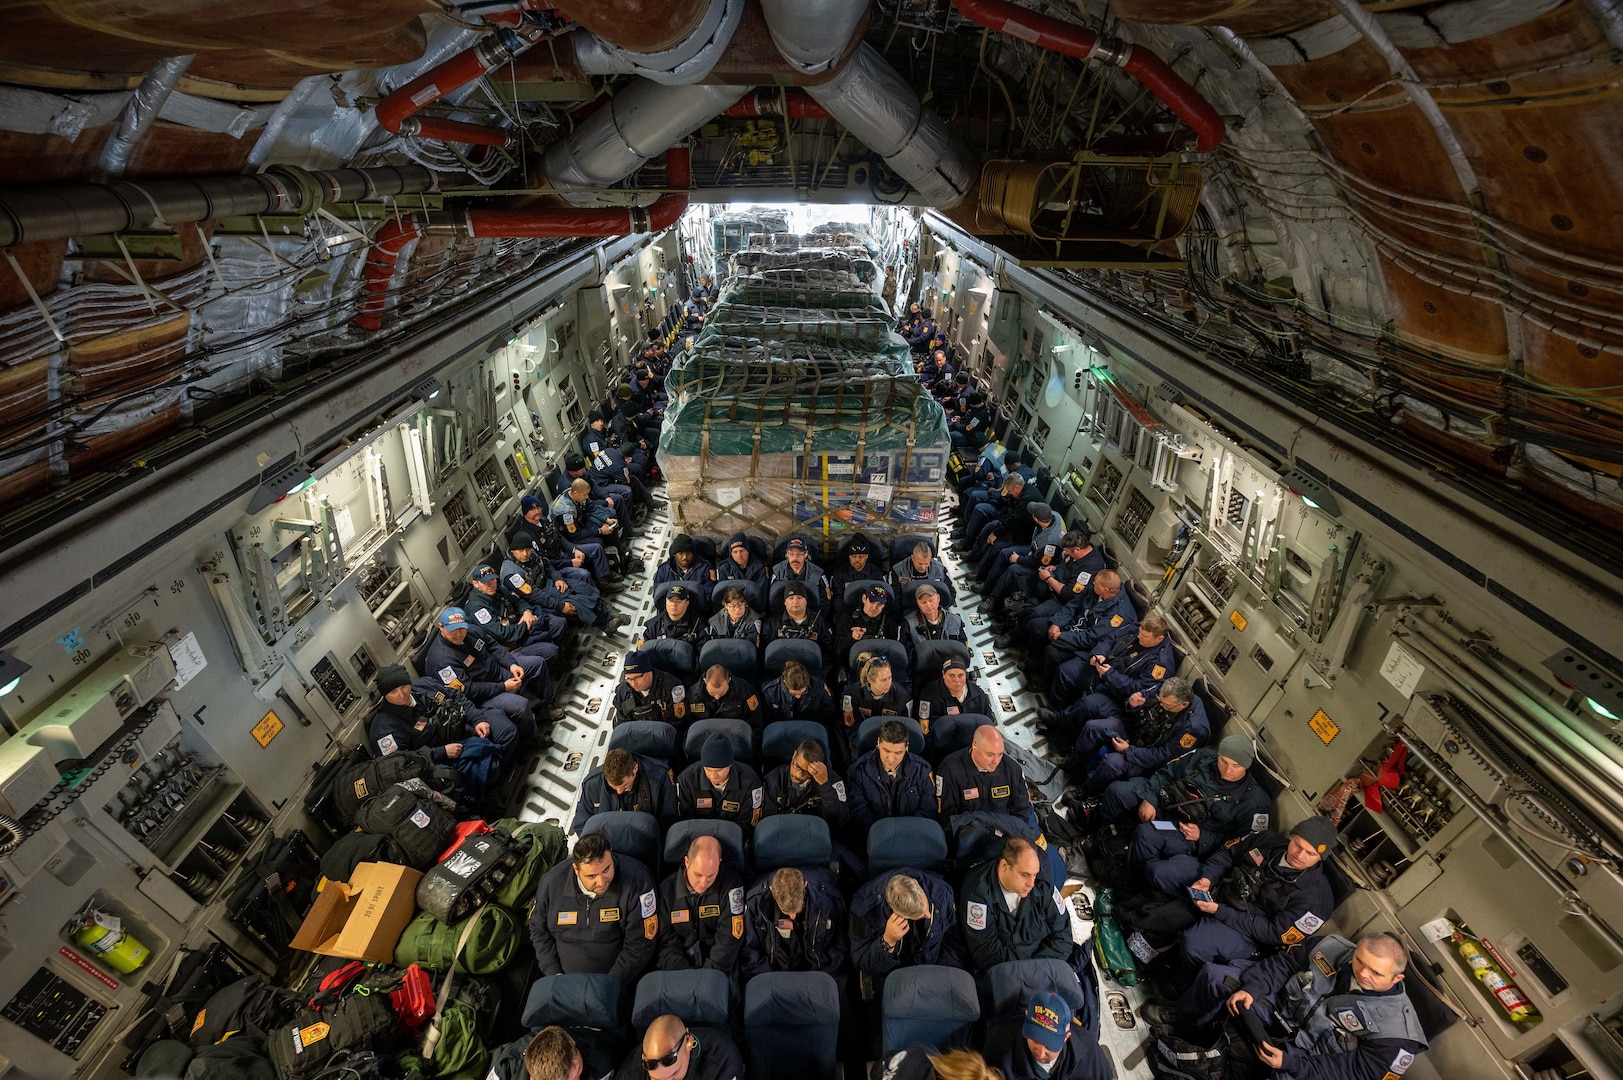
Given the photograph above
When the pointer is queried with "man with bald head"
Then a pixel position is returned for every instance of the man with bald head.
(702, 907)
(671, 1050)
(981, 777)
(1010, 911)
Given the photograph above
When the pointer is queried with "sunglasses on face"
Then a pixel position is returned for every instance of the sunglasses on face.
(650, 1064)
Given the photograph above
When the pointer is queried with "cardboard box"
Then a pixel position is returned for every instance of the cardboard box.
(363, 918)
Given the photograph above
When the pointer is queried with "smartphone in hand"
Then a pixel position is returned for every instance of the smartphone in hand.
(1200, 894)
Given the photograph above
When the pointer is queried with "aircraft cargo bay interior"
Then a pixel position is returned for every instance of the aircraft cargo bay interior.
(811, 539)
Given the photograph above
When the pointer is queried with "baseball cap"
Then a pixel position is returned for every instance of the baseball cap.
(876, 594)
(392, 677)
(1238, 749)
(1317, 831)
(1041, 511)
(718, 752)
(637, 664)
(926, 590)
(679, 592)
(453, 617)
(483, 573)
(952, 663)
(1048, 1018)
(797, 544)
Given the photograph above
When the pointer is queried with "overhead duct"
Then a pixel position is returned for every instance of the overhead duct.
(795, 104)
(812, 34)
(378, 275)
(141, 112)
(875, 104)
(638, 123)
(605, 221)
(1155, 74)
(633, 38)
(63, 211)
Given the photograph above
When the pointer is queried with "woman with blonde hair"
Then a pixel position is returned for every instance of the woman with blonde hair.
(922, 1062)
(876, 691)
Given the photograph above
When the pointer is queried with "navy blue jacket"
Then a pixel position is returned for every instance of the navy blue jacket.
(1036, 930)
(1135, 669)
(1188, 730)
(830, 801)
(815, 705)
(818, 942)
(479, 667)
(932, 940)
(653, 792)
(912, 795)
(1086, 622)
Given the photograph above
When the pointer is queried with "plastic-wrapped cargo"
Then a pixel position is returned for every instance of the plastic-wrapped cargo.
(854, 261)
(775, 305)
(781, 436)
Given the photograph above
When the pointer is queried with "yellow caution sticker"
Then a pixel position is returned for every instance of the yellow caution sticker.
(1237, 619)
(1324, 727)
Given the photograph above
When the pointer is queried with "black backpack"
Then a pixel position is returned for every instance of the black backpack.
(1173, 1057)
(273, 892)
(469, 876)
(247, 1007)
(418, 824)
(352, 849)
(364, 780)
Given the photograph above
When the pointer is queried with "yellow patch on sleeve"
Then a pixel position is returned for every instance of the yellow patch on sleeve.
(1291, 936)
(1115, 620)
(753, 702)
(650, 927)
(1158, 672)
(738, 926)
(1187, 741)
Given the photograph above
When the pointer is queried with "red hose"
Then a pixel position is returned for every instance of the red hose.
(378, 273)
(801, 106)
(397, 112)
(1080, 42)
(608, 221)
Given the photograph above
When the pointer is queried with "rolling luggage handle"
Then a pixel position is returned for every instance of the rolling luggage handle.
(431, 1037)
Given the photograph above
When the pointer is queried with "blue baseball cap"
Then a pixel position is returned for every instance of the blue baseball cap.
(1048, 1018)
(453, 617)
(483, 574)
(637, 664)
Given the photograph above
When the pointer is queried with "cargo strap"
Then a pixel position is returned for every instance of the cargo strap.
(431, 1038)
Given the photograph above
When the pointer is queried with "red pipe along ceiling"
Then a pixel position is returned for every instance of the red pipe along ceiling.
(606, 221)
(1069, 39)
(378, 274)
(396, 113)
(766, 102)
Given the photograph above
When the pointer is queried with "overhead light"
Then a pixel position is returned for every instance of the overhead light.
(273, 489)
(1600, 710)
(427, 390)
(1311, 491)
(12, 670)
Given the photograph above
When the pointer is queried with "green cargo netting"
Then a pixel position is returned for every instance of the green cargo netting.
(850, 327)
(854, 261)
(802, 288)
(733, 365)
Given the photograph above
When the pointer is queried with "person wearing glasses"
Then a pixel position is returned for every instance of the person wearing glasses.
(671, 1050)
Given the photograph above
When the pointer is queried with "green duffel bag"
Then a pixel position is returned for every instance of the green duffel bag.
(460, 1053)
(545, 845)
(431, 943)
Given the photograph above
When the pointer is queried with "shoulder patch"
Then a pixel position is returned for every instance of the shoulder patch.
(1159, 671)
(1078, 585)
(646, 901)
(1259, 822)
(1187, 741)
(839, 790)
(482, 615)
(753, 702)
(937, 785)
(755, 799)
(1350, 1020)
(515, 580)
(1291, 936)
(1401, 1063)
(1082, 579)
(388, 745)
(679, 694)
(1308, 923)
(735, 901)
(976, 916)
(1115, 620)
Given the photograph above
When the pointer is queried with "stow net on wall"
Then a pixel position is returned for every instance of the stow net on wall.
(798, 408)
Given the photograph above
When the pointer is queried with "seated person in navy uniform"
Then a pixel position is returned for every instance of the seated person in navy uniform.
(795, 922)
(426, 715)
(873, 691)
(463, 658)
(951, 695)
(1010, 911)
(1120, 675)
(907, 917)
(890, 781)
(798, 566)
(626, 781)
(973, 425)
(702, 905)
(685, 565)
(1333, 1011)
(607, 484)
(718, 788)
(1037, 548)
(930, 622)
(671, 1050)
(680, 621)
(1039, 584)
(1268, 891)
(921, 565)
(734, 618)
(1088, 622)
(553, 1054)
(595, 913)
(646, 693)
(1201, 800)
(1171, 723)
(1046, 1042)
(806, 785)
(797, 695)
(722, 695)
(855, 564)
(739, 564)
(800, 620)
(515, 626)
(869, 618)
(567, 592)
(981, 777)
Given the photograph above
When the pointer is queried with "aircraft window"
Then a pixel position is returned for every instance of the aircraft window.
(1262, 659)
